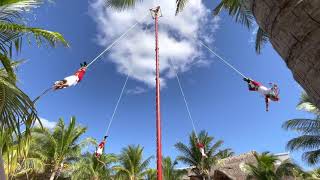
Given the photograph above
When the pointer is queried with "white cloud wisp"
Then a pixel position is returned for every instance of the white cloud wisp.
(177, 37)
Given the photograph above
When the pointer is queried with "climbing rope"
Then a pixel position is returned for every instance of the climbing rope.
(223, 60)
(184, 98)
(117, 104)
(117, 40)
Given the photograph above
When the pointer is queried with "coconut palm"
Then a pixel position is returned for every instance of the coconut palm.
(222, 154)
(15, 106)
(91, 168)
(266, 168)
(61, 145)
(19, 161)
(131, 164)
(151, 174)
(191, 155)
(169, 169)
(309, 140)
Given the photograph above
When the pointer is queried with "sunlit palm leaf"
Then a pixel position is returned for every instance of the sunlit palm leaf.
(261, 38)
(40, 35)
(180, 5)
(15, 106)
(121, 4)
(306, 126)
(236, 9)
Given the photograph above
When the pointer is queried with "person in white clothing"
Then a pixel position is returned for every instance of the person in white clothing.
(268, 93)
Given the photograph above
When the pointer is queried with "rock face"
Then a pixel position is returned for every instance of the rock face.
(294, 30)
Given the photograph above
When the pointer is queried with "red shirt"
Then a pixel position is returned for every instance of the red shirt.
(80, 73)
(101, 145)
(200, 145)
(255, 83)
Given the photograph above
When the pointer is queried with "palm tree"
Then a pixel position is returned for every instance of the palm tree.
(169, 169)
(191, 155)
(222, 154)
(291, 26)
(309, 141)
(91, 168)
(61, 146)
(16, 107)
(131, 164)
(151, 174)
(19, 161)
(265, 168)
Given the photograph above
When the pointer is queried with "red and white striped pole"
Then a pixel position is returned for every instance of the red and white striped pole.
(156, 13)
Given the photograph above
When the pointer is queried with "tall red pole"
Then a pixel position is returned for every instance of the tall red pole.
(158, 112)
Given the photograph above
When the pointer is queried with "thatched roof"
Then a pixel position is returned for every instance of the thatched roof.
(233, 167)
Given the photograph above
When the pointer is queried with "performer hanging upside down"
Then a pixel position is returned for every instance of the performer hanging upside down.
(100, 148)
(201, 148)
(73, 79)
(268, 93)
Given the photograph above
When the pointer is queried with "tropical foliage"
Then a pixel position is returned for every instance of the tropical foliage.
(170, 171)
(268, 168)
(309, 139)
(191, 155)
(131, 164)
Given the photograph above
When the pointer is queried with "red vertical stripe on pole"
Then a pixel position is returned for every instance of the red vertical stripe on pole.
(158, 113)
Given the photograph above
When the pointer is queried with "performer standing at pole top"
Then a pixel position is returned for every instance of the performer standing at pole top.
(268, 93)
(73, 79)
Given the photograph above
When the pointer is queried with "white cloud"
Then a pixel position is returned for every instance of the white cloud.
(177, 37)
(46, 123)
(136, 90)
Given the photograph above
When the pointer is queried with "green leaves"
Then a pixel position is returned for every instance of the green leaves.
(237, 10)
(121, 4)
(180, 5)
(261, 38)
(131, 163)
(265, 167)
(191, 155)
(40, 35)
(309, 140)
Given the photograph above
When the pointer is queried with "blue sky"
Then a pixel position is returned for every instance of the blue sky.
(219, 100)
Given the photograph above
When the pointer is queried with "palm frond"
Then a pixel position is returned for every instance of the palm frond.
(15, 106)
(121, 4)
(306, 104)
(236, 9)
(180, 5)
(40, 35)
(6, 62)
(261, 38)
(304, 142)
(312, 157)
(305, 126)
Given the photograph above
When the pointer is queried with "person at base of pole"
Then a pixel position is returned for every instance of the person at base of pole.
(71, 80)
(201, 149)
(268, 93)
(100, 148)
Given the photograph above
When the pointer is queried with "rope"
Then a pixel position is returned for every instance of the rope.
(224, 61)
(120, 96)
(184, 98)
(42, 94)
(117, 104)
(117, 40)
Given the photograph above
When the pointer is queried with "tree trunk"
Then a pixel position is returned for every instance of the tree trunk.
(294, 30)
(53, 175)
(2, 171)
